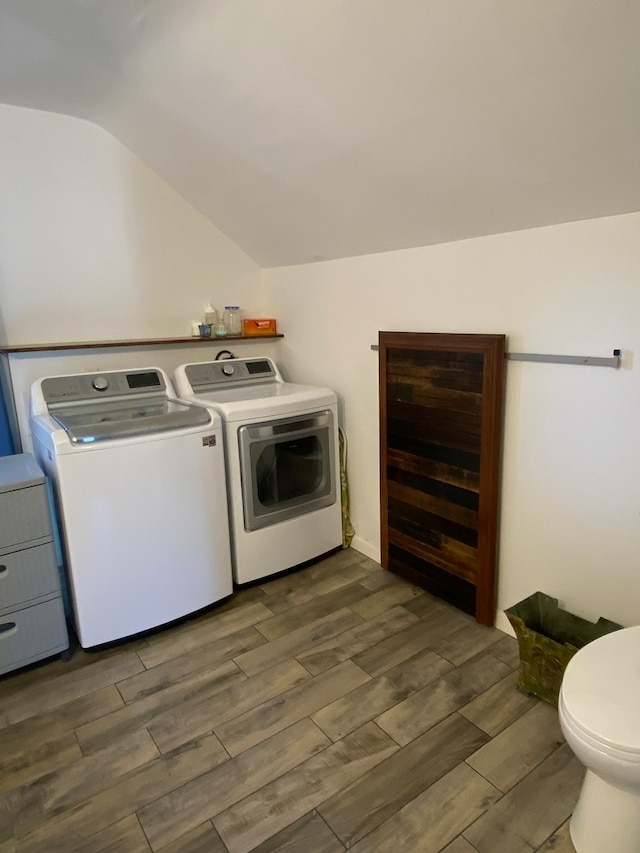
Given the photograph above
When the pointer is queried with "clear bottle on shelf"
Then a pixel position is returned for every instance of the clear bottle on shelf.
(211, 316)
(233, 319)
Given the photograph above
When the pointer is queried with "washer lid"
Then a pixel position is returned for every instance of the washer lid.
(601, 689)
(108, 421)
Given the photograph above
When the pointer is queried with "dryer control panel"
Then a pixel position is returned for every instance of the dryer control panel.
(214, 375)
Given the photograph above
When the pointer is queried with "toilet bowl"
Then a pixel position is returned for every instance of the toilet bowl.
(599, 709)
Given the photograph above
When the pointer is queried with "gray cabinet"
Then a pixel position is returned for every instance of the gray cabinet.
(32, 621)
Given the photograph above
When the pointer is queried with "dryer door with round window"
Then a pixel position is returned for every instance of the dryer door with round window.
(287, 468)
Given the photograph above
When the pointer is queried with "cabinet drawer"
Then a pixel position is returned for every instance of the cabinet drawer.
(24, 515)
(26, 574)
(33, 633)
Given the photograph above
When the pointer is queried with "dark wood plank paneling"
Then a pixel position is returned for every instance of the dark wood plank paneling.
(416, 522)
(440, 471)
(438, 581)
(446, 553)
(443, 508)
(440, 419)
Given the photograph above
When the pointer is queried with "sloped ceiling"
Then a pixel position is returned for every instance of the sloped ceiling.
(313, 129)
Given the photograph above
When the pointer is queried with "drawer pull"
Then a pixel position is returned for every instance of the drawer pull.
(3, 569)
(6, 627)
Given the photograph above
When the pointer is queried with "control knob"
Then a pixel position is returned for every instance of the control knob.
(228, 370)
(100, 383)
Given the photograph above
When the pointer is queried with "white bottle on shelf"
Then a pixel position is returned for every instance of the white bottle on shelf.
(211, 316)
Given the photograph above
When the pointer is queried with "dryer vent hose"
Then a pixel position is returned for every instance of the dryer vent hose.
(347, 527)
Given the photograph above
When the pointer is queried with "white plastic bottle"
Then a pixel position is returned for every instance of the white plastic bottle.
(211, 316)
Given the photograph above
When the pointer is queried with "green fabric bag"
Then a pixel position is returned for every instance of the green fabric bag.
(347, 527)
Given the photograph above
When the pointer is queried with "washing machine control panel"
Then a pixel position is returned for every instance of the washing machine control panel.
(89, 386)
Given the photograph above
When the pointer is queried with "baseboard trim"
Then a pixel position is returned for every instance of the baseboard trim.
(366, 548)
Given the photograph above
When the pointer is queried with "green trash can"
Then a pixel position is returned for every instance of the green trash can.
(548, 637)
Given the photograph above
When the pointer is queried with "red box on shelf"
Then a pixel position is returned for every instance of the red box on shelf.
(260, 327)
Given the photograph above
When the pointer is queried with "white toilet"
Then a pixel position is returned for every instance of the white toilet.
(599, 708)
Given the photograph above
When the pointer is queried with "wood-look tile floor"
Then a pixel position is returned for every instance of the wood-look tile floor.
(334, 708)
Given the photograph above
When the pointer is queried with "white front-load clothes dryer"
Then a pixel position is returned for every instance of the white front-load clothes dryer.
(139, 483)
(283, 468)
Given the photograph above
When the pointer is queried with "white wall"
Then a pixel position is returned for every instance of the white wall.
(94, 245)
(571, 471)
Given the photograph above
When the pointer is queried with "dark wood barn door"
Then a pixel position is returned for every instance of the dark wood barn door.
(440, 446)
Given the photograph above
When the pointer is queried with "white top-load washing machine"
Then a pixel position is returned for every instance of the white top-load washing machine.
(139, 485)
(283, 474)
